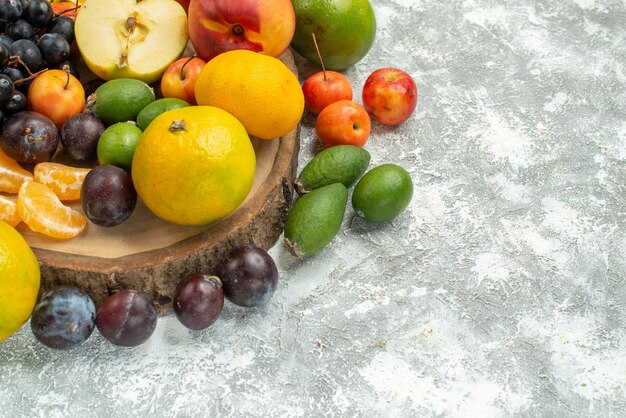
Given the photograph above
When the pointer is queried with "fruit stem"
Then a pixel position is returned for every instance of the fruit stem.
(177, 125)
(238, 30)
(182, 69)
(66, 68)
(318, 54)
(16, 59)
(68, 10)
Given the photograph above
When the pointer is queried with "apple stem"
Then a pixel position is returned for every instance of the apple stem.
(238, 30)
(182, 69)
(68, 10)
(318, 54)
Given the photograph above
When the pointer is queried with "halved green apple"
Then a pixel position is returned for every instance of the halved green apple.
(131, 38)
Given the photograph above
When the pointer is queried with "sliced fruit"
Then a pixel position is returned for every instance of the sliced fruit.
(130, 38)
(12, 175)
(43, 212)
(8, 211)
(63, 180)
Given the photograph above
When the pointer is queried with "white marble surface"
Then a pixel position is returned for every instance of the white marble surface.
(499, 292)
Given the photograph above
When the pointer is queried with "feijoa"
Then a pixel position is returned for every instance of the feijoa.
(339, 164)
(157, 107)
(314, 219)
(382, 193)
(120, 100)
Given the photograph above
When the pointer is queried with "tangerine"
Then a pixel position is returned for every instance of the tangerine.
(12, 174)
(8, 211)
(63, 180)
(43, 212)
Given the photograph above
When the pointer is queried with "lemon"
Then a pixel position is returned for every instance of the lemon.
(193, 165)
(19, 281)
(257, 89)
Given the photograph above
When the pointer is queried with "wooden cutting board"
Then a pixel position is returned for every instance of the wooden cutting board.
(151, 255)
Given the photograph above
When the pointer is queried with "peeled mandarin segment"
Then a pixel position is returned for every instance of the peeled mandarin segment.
(12, 174)
(43, 212)
(63, 180)
(8, 211)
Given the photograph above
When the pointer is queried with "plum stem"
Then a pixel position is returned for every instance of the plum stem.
(182, 69)
(66, 68)
(319, 55)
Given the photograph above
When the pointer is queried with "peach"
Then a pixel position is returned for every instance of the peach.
(217, 26)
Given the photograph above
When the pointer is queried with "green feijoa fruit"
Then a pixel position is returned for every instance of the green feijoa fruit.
(339, 164)
(315, 219)
(117, 144)
(154, 109)
(382, 193)
(120, 100)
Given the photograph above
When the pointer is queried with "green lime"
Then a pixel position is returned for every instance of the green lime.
(383, 193)
(120, 100)
(157, 107)
(117, 144)
(339, 164)
(314, 219)
(344, 30)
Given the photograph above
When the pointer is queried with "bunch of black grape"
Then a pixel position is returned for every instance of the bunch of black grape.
(32, 39)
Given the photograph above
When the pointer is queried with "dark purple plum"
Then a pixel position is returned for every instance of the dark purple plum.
(198, 300)
(249, 276)
(127, 318)
(4, 55)
(29, 137)
(107, 195)
(80, 134)
(63, 318)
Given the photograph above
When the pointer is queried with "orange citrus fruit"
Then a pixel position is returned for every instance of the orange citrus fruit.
(8, 211)
(12, 175)
(19, 281)
(43, 212)
(63, 180)
(257, 89)
(193, 165)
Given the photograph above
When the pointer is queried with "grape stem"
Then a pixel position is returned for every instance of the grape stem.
(15, 59)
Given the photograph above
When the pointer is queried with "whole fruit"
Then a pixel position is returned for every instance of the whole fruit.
(194, 165)
(120, 100)
(343, 123)
(80, 134)
(19, 281)
(29, 137)
(127, 318)
(390, 96)
(56, 94)
(267, 101)
(314, 219)
(198, 300)
(179, 79)
(108, 196)
(154, 109)
(324, 88)
(64, 318)
(382, 193)
(117, 144)
(345, 31)
(217, 26)
(249, 276)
